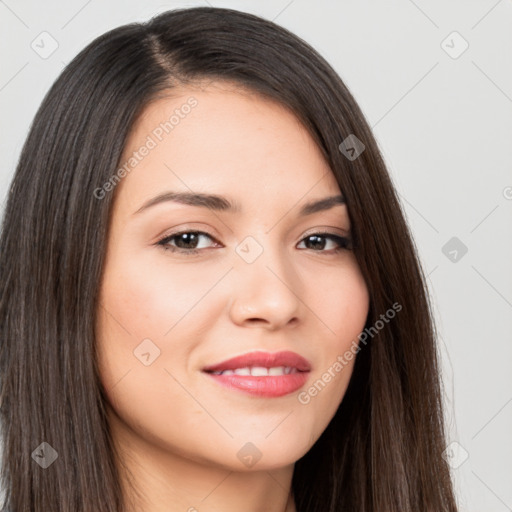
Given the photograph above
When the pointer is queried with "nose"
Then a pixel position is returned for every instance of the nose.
(266, 293)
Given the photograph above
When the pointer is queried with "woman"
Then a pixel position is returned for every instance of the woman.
(287, 363)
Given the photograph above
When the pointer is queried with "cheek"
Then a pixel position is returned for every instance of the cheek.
(149, 298)
(340, 301)
(152, 307)
(342, 309)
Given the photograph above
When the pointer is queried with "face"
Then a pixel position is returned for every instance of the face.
(187, 286)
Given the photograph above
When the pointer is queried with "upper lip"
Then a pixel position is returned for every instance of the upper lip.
(262, 359)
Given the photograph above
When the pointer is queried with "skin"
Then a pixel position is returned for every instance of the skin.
(177, 430)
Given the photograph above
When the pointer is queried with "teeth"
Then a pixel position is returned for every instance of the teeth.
(259, 371)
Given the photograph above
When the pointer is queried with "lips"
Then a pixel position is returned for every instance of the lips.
(262, 374)
(261, 359)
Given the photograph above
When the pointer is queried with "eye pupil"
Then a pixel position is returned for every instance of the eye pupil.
(187, 237)
(319, 242)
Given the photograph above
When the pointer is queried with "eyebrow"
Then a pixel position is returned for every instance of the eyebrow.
(220, 203)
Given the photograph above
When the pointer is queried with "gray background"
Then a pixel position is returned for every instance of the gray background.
(443, 120)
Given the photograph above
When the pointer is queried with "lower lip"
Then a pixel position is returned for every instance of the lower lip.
(271, 386)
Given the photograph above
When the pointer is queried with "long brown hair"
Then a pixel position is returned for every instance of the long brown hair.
(382, 451)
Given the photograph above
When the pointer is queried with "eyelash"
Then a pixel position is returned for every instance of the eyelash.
(344, 243)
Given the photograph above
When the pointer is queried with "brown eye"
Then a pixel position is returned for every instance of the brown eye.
(317, 242)
(185, 241)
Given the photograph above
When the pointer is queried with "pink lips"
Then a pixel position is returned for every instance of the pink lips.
(266, 385)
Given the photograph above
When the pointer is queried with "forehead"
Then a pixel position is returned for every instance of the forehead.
(225, 140)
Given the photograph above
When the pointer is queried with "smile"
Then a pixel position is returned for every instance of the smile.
(262, 374)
